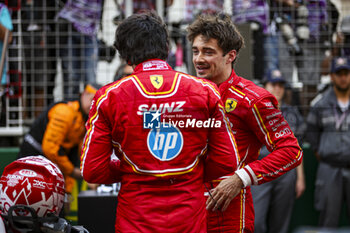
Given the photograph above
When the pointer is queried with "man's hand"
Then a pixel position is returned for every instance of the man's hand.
(76, 174)
(92, 186)
(300, 184)
(223, 194)
(299, 187)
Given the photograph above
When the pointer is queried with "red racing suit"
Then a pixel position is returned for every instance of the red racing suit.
(256, 121)
(167, 128)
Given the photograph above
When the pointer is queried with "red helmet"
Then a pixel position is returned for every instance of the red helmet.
(35, 182)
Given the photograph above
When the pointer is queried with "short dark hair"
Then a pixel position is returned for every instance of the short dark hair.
(219, 27)
(141, 37)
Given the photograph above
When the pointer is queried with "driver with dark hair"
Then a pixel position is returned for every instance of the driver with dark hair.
(142, 118)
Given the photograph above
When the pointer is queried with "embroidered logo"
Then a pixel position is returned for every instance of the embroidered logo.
(156, 80)
(230, 105)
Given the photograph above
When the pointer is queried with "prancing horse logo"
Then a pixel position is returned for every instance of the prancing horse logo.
(156, 80)
(230, 105)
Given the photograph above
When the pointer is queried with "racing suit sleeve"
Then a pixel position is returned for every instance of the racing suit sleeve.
(270, 127)
(60, 119)
(222, 157)
(97, 148)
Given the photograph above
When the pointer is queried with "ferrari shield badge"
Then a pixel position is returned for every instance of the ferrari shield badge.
(156, 80)
(230, 105)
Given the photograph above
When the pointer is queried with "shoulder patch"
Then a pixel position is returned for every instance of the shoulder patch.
(269, 105)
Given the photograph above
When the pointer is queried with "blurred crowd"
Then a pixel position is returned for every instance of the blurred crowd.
(297, 37)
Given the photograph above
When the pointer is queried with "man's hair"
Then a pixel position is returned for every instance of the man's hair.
(141, 37)
(219, 27)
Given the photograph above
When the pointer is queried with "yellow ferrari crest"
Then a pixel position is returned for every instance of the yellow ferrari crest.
(230, 105)
(156, 80)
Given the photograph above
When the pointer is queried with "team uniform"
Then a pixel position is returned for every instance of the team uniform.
(57, 133)
(328, 133)
(162, 168)
(256, 121)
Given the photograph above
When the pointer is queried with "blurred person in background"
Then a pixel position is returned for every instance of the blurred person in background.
(274, 201)
(256, 13)
(31, 198)
(5, 25)
(123, 70)
(299, 34)
(341, 44)
(137, 7)
(79, 23)
(162, 166)
(58, 132)
(40, 53)
(256, 121)
(194, 8)
(328, 132)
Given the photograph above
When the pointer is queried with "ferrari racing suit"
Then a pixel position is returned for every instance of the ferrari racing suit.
(167, 128)
(256, 121)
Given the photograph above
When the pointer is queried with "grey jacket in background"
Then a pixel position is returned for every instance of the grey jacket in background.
(332, 144)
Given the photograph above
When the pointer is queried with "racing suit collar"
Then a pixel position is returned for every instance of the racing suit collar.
(151, 65)
(233, 79)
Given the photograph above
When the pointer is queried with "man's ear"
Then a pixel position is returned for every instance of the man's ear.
(231, 56)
